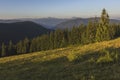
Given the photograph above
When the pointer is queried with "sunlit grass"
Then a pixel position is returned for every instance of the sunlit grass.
(71, 63)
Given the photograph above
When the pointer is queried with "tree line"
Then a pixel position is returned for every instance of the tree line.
(95, 31)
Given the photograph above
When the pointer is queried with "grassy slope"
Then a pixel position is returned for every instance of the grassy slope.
(59, 65)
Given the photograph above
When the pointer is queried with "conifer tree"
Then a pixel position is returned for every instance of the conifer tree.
(83, 38)
(82, 33)
(90, 32)
(10, 48)
(19, 47)
(74, 35)
(102, 30)
(63, 42)
(33, 46)
(10, 45)
(51, 40)
(3, 53)
(25, 45)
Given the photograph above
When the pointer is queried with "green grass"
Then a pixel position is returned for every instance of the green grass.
(98, 61)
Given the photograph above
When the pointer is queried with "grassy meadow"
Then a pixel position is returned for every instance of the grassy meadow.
(97, 61)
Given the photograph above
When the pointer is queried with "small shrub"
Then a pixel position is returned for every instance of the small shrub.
(106, 58)
(116, 57)
(92, 77)
(91, 60)
(72, 57)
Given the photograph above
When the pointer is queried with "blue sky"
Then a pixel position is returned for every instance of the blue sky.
(57, 8)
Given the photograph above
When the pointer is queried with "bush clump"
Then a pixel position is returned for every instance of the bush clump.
(72, 56)
(106, 58)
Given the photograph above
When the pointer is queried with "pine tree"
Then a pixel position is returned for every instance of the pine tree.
(112, 31)
(51, 40)
(3, 53)
(19, 47)
(64, 38)
(57, 38)
(63, 42)
(117, 30)
(34, 45)
(90, 32)
(74, 34)
(44, 42)
(82, 33)
(25, 45)
(83, 38)
(10, 45)
(102, 30)
(10, 48)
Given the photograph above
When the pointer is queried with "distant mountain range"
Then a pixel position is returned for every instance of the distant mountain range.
(70, 23)
(20, 30)
(56, 23)
(49, 22)
(46, 22)
(76, 22)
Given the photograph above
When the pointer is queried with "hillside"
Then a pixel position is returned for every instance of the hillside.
(97, 61)
(20, 30)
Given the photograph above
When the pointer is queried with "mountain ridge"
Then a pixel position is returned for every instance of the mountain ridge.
(78, 21)
(56, 23)
(20, 30)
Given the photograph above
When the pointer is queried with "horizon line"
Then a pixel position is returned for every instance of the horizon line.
(54, 17)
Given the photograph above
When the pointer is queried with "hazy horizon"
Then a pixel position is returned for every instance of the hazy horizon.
(16, 9)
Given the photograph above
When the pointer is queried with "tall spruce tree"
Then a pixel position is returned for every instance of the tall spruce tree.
(90, 32)
(3, 53)
(10, 48)
(102, 30)
(25, 45)
(19, 47)
(51, 40)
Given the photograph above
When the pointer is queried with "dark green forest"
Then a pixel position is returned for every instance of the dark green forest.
(94, 31)
(20, 30)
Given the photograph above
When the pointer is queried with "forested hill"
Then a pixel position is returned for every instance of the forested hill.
(20, 30)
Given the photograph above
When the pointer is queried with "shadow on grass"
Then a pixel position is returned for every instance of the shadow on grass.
(83, 68)
(92, 57)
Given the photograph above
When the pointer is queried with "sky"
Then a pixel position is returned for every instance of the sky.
(10, 9)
